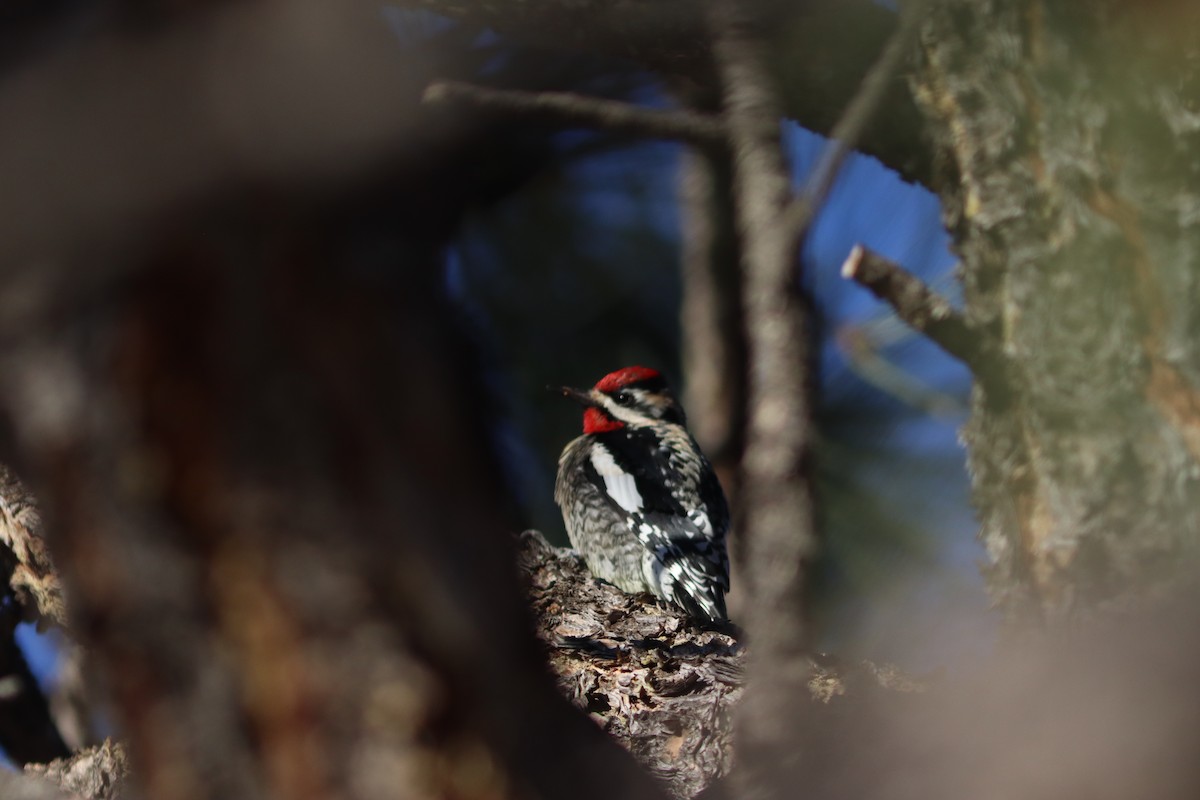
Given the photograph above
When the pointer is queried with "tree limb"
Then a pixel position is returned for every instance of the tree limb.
(819, 51)
(663, 687)
(569, 108)
(776, 513)
(777, 510)
(850, 127)
(921, 308)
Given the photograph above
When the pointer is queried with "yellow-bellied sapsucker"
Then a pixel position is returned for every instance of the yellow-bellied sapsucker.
(639, 499)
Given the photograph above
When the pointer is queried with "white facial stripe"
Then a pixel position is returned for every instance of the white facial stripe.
(629, 415)
(619, 484)
(618, 411)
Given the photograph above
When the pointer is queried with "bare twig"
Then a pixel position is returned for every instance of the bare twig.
(568, 107)
(849, 128)
(923, 309)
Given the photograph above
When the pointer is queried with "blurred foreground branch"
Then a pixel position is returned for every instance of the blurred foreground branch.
(265, 544)
(114, 135)
(15, 786)
(775, 520)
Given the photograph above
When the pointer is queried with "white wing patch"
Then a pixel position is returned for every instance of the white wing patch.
(619, 484)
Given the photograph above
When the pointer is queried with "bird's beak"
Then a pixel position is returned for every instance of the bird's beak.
(578, 395)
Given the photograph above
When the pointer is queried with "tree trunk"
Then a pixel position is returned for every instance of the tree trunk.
(281, 531)
(1068, 150)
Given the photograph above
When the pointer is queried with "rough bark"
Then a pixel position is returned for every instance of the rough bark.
(32, 579)
(661, 686)
(97, 773)
(1069, 149)
(1063, 716)
(31, 591)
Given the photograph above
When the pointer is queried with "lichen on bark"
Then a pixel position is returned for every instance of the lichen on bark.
(1068, 155)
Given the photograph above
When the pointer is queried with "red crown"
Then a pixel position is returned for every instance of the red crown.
(624, 377)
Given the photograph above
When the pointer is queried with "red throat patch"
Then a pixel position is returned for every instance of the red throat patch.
(596, 421)
(623, 377)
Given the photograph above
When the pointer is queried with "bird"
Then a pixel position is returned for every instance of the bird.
(639, 499)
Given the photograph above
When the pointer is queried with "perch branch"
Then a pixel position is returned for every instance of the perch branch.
(568, 107)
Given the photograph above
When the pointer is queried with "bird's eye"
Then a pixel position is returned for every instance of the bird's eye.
(623, 397)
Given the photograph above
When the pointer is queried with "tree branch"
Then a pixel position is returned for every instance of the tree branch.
(921, 308)
(849, 129)
(663, 687)
(821, 50)
(775, 510)
(570, 108)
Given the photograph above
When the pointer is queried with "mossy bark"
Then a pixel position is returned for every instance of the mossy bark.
(1068, 145)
